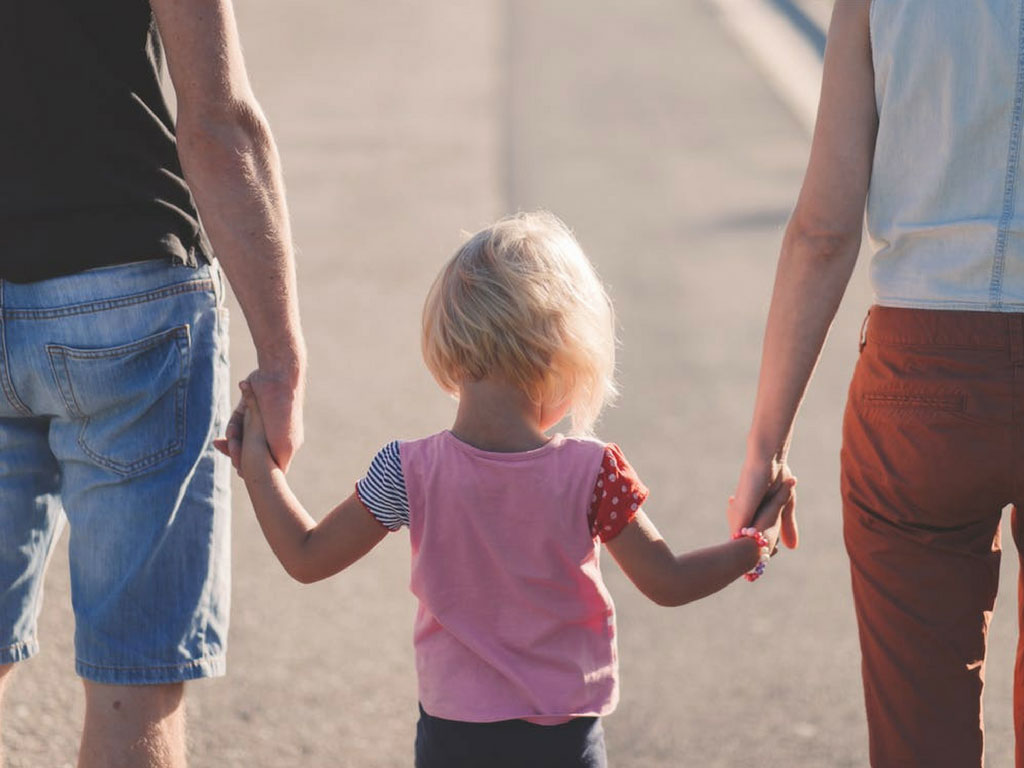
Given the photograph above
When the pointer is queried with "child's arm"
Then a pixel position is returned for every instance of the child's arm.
(669, 579)
(309, 551)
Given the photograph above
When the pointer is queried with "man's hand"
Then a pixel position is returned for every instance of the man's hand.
(281, 409)
(758, 482)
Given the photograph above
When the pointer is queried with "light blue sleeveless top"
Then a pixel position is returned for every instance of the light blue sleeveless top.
(945, 212)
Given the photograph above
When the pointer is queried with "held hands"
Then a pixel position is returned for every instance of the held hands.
(254, 453)
(759, 484)
(776, 507)
(281, 416)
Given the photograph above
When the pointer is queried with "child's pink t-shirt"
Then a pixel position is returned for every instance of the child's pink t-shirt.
(514, 620)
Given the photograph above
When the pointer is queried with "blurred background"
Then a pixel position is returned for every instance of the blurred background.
(672, 136)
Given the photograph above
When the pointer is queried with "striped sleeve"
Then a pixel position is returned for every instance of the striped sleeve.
(382, 489)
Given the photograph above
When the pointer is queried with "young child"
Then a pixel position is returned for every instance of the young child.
(515, 633)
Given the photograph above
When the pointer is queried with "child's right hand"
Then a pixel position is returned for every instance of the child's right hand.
(256, 456)
(769, 515)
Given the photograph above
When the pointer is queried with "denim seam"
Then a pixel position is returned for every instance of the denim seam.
(128, 469)
(149, 342)
(182, 665)
(63, 381)
(180, 336)
(1010, 185)
(105, 304)
(966, 306)
(219, 290)
(872, 15)
(5, 372)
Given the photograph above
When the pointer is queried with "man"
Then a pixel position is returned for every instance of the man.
(113, 368)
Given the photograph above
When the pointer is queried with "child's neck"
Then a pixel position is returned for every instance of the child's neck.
(496, 416)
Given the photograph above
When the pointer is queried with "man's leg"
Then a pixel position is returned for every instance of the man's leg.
(143, 389)
(5, 673)
(30, 523)
(133, 726)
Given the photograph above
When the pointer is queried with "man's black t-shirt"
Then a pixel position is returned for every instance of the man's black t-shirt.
(89, 170)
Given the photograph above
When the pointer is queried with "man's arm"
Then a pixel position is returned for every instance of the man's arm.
(231, 165)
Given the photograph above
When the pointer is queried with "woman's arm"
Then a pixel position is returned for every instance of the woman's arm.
(308, 550)
(819, 251)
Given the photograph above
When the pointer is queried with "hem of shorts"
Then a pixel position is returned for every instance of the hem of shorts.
(209, 666)
(969, 306)
(21, 651)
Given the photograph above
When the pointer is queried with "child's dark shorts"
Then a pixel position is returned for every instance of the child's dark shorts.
(578, 743)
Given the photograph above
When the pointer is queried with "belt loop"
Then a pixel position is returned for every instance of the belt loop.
(1016, 322)
(864, 331)
(218, 282)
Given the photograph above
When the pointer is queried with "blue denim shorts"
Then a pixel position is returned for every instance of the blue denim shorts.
(113, 383)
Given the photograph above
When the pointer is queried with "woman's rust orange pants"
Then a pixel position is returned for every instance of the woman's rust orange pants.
(933, 451)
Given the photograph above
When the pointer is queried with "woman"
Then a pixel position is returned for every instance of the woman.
(920, 118)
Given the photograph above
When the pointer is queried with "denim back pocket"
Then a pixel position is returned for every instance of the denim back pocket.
(130, 399)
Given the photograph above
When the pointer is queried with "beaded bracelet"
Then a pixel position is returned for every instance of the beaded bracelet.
(764, 551)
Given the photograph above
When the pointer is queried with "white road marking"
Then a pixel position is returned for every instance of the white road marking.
(789, 62)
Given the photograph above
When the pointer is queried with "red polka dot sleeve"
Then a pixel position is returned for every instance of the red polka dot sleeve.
(618, 495)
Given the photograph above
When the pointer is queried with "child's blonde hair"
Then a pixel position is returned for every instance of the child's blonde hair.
(520, 301)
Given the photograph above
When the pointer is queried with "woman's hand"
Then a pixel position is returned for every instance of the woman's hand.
(759, 484)
(776, 515)
(819, 251)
